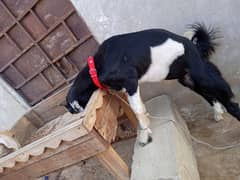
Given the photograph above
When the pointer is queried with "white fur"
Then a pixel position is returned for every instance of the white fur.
(138, 107)
(136, 103)
(124, 90)
(75, 105)
(162, 57)
(218, 111)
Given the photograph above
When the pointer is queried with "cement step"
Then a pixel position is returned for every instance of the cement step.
(170, 155)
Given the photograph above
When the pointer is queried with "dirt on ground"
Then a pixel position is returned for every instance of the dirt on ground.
(221, 161)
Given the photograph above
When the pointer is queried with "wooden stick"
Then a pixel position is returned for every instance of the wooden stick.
(127, 110)
(114, 163)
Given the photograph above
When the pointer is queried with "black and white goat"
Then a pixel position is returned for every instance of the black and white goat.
(124, 61)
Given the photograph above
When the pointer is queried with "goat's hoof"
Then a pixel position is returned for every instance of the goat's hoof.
(218, 117)
(142, 144)
(150, 139)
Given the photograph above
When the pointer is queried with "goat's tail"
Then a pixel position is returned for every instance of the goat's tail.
(204, 38)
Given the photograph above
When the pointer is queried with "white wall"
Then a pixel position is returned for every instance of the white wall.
(12, 106)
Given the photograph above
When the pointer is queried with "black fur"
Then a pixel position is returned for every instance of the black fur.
(122, 60)
(204, 39)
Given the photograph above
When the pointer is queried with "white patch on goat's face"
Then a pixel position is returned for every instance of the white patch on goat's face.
(75, 105)
(162, 57)
(124, 90)
(218, 111)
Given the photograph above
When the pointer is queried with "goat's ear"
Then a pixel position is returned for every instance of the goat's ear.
(187, 81)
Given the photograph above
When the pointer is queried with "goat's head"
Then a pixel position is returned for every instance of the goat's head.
(73, 102)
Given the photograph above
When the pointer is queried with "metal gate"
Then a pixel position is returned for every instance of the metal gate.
(43, 45)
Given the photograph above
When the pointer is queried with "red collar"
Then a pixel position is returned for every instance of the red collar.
(93, 74)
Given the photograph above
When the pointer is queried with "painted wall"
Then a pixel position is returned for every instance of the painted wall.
(106, 18)
(12, 106)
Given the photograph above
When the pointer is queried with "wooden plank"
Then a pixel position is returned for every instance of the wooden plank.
(127, 110)
(85, 138)
(48, 109)
(52, 107)
(34, 118)
(61, 159)
(40, 114)
(106, 122)
(90, 115)
(114, 163)
(48, 153)
(68, 133)
(69, 128)
(23, 129)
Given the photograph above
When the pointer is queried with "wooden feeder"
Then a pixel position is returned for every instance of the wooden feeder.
(74, 138)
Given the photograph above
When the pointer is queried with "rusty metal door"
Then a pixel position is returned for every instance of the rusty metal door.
(43, 45)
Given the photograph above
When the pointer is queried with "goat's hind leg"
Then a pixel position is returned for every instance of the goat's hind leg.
(217, 106)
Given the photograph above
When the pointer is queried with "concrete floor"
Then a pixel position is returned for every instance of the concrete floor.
(214, 164)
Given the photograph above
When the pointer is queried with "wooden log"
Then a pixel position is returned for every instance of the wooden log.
(127, 110)
(114, 163)
(106, 122)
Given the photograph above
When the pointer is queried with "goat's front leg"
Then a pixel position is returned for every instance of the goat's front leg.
(138, 107)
